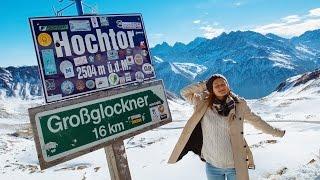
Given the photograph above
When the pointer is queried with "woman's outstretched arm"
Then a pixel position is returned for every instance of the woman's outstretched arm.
(260, 124)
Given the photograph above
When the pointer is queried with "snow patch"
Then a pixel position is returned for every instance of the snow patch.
(305, 49)
(229, 60)
(174, 69)
(158, 59)
(190, 69)
(281, 60)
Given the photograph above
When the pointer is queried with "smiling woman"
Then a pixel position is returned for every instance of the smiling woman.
(215, 130)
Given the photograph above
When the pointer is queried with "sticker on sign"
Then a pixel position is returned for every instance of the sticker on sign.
(68, 129)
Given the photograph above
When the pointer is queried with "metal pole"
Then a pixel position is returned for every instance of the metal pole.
(79, 7)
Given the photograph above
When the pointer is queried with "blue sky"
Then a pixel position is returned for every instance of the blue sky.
(165, 20)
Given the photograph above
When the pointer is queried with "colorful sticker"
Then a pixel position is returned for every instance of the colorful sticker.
(90, 84)
(139, 32)
(113, 79)
(127, 76)
(80, 85)
(51, 147)
(67, 87)
(55, 97)
(91, 59)
(138, 59)
(161, 108)
(147, 68)
(44, 39)
(122, 80)
(142, 45)
(129, 25)
(54, 27)
(144, 53)
(112, 55)
(94, 22)
(78, 61)
(163, 114)
(155, 113)
(98, 57)
(136, 119)
(130, 60)
(79, 25)
(129, 52)
(104, 21)
(119, 23)
(48, 62)
(66, 68)
(50, 84)
(139, 76)
(102, 82)
(122, 54)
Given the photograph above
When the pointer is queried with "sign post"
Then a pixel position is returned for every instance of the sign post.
(79, 7)
(83, 55)
(117, 161)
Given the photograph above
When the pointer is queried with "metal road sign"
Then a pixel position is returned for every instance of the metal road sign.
(81, 54)
(68, 129)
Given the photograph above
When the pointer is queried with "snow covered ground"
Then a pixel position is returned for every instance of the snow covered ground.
(295, 156)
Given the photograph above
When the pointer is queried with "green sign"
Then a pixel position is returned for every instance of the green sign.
(70, 129)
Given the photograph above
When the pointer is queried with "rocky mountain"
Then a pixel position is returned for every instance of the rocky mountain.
(307, 82)
(21, 82)
(254, 63)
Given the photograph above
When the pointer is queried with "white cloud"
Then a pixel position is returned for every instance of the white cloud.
(314, 12)
(210, 31)
(293, 25)
(197, 21)
(291, 19)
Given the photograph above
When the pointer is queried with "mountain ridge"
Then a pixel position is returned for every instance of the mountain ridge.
(253, 63)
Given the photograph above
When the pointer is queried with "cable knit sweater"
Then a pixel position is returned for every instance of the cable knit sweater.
(216, 148)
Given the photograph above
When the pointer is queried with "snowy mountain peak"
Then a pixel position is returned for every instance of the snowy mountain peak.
(164, 45)
(190, 70)
(178, 45)
(275, 37)
(311, 34)
(307, 83)
(246, 58)
(243, 34)
(197, 41)
(310, 39)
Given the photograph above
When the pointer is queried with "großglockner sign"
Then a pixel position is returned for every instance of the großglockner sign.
(82, 54)
(65, 130)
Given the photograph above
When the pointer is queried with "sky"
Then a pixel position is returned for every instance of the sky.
(165, 21)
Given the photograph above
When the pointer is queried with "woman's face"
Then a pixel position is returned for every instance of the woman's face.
(220, 87)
